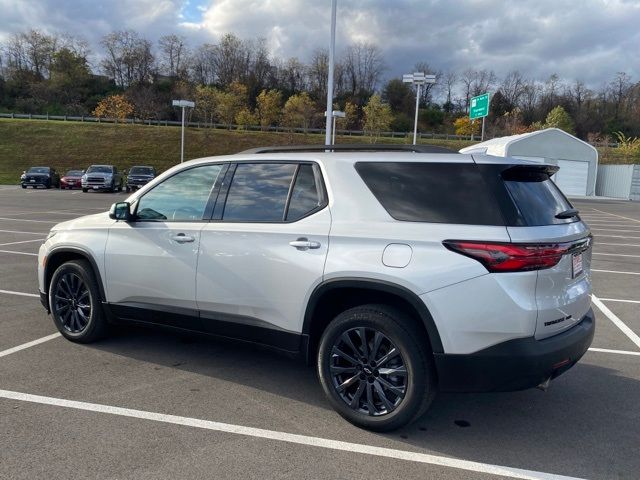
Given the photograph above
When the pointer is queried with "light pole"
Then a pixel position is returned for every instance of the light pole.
(332, 51)
(335, 114)
(183, 104)
(418, 79)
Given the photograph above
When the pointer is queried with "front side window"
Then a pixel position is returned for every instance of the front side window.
(181, 197)
(259, 192)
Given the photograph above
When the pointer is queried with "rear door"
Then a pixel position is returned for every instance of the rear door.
(263, 252)
(562, 292)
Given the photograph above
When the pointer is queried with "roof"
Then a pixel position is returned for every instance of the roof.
(547, 143)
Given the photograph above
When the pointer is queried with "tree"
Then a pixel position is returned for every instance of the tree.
(246, 118)
(351, 118)
(173, 51)
(363, 65)
(128, 58)
(399, 96)
(377, 117)
(317, 73)
(230, 60)
(206, 99)
(464, 126)
(559, 118)
(113, 106)
(268, 107)
(230, 102)
(145, 101)
(299, 111)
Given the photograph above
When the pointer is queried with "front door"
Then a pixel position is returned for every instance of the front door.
(150, 261)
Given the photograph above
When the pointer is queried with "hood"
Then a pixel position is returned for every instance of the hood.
(95, 220)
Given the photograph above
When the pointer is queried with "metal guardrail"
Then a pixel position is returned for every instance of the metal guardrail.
(224, 126)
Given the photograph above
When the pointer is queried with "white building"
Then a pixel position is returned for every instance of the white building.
(578, 161)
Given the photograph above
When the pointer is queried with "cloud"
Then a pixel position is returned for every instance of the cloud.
(588, 40)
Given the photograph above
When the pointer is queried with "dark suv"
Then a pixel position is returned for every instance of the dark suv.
(139, 176)
(41, 177)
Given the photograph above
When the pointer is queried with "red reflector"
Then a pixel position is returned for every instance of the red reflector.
(510, 257)
(564, 362)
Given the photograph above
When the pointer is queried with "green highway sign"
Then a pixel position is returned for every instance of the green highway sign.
(479, 106)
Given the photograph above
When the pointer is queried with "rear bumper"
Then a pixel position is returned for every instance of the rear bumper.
(516, 364)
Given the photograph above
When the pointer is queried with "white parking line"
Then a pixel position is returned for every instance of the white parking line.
(620, 244)
(22, 294)
(33, 343)
(19, 253)
(619, 300)
(288, 437)
(619, 216)
(601, 229)
(607, 225)
(616, 254)
(607, 350)
(27, 220)
(616, 236)
(20, 231)
(616, 321)
(615, 271)
(22, 241)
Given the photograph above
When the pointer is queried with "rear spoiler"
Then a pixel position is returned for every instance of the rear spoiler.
(520, 171)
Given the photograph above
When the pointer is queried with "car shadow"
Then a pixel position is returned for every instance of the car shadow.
(586, 424)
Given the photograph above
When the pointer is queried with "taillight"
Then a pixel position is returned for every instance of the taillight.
(511, 257)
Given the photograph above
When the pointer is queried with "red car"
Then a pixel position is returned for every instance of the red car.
(72, 179)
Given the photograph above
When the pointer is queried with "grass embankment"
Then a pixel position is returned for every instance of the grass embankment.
(66, 145)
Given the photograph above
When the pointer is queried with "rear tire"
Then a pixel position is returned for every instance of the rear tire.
(24, 186)
(75, 302)
(354, 381)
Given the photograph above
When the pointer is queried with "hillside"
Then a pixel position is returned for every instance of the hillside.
(25, 143)
(66, 145)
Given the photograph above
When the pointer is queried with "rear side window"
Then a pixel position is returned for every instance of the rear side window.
(537, 199)
(305, 196)
(432, 192)
(259, 192)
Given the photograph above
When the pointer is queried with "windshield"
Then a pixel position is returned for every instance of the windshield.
(38, 170)
(74, 173)
(99, 169)
(141, 171)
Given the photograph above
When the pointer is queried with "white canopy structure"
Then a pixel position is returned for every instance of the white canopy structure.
(578, 161)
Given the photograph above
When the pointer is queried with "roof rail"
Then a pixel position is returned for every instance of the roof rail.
(348, 147)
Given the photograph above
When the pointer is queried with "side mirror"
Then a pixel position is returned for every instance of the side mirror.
(120, 211)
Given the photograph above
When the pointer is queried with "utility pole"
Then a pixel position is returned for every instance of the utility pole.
(332, 52)
(183, 104)
(418, 79)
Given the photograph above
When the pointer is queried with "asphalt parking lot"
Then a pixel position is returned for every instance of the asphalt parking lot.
(150, 404)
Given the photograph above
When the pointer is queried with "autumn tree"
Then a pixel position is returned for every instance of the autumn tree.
(559, 118)
(377, 117)
(230, 102)
(246, 118)
(299, 111)
(113, 106)
(268, 107)
(173, 55)
(464, 126)
(206, 99)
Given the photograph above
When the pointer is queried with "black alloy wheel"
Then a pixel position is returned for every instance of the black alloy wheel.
(75, 302)
(368, 371)
(72, 302)
(376, 367)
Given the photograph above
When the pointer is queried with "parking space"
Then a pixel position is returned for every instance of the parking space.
(150, 404)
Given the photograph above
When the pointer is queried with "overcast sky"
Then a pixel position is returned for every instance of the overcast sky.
(588, 40)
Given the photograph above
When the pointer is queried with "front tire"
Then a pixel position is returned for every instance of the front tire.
(85, 190)
(376, 367)
(75, 302)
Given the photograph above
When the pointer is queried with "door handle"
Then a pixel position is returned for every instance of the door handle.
(182, 238)
(304, 244)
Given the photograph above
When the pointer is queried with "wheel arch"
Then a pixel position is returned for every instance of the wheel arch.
(335, 295)
(58, 256)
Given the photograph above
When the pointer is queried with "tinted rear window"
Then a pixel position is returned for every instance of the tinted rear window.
(432, 192)
(537, 198)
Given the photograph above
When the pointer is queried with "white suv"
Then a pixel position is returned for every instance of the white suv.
(396, 273)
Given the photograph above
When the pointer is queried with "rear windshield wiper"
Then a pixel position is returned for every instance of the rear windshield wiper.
(572, 212)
